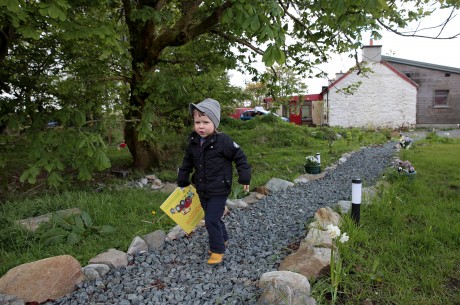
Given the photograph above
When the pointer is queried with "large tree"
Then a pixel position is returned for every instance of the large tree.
(300, 33)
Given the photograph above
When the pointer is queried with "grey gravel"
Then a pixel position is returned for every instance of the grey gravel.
(259, 236)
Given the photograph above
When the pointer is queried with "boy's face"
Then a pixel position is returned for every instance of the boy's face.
(202, 124)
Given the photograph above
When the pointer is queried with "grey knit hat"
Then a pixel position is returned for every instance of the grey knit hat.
(209, 107)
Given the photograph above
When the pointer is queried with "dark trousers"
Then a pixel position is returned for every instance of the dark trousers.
(213, 212)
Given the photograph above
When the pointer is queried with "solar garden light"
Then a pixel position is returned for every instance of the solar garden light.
(355, 199)
(318, 158)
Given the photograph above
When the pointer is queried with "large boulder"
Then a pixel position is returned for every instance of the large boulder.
(311, 262)
(49, 278)
(285, 288)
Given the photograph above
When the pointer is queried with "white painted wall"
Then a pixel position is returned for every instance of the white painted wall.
(383, 99)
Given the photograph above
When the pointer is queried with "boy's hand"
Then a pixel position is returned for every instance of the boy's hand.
(246, 188)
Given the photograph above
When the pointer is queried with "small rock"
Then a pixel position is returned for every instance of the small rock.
(276, 185)
(325, 216)
(236, 203)
(253, 197)
(138, 246)
(260, 196)
(95, 271)
(367, 302)
(175, 233)
(33, 223)
(113, 258)
(155, 240)
(317, 237)
(344, 206)
(169, 187)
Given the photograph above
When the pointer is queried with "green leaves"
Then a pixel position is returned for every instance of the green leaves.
(55, 151)
(273, 54)
(29, 32)
(79, 118)
(255, 23)
(54, 179)
(101, 161)
(53, 10)
(30, 175)
(11, 5)
(145, 14)
(71, 230)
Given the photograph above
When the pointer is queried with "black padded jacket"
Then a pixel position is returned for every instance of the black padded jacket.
(211, 164)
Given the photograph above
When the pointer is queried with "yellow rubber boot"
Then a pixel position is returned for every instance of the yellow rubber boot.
(215, 258)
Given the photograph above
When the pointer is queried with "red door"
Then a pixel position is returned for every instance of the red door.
(294, 113)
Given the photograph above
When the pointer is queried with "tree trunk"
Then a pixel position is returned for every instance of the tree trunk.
(147, 43)
(145, 157)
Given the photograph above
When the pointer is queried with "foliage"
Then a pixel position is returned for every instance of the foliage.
(282, 82)
(88, 64)
(70, 230)
(257, 92)
(311, 161)
(433, 137)
(336, 265)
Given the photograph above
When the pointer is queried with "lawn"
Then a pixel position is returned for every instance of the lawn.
(405, 251)
(407, 247)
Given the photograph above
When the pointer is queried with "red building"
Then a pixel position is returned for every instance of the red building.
(303, 109)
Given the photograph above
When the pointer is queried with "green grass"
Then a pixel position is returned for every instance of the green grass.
(407, 247)
(125, 209)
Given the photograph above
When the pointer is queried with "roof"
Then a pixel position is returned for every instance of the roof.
(393, 69)
(301, 97)
(420, 64)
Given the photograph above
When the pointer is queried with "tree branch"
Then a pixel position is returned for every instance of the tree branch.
(296, 20)
(184, 31)
(111, 78)
(232, 38)
(414, 33)
(212, 20)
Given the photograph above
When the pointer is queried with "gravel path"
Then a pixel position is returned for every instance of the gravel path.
(259, 236)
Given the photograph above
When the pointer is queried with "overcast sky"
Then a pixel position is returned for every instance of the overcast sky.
(439, 52)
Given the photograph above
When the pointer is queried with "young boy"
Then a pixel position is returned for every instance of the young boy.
(210, 155)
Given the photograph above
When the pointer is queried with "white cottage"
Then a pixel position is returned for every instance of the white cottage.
(384, 98)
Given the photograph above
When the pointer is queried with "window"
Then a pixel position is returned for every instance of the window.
(440, 98)
(306, 112)
(447, 74)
